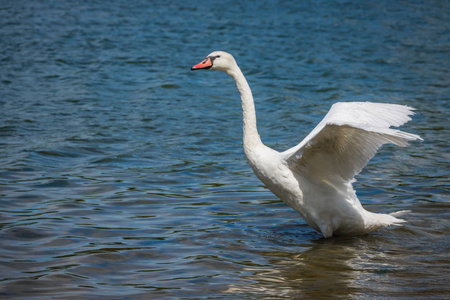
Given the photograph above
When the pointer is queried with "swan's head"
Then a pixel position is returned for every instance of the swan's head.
(218, 60)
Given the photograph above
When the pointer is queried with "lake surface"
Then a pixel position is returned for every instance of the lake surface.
(122, 174)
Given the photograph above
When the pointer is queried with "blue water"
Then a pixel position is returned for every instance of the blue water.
(122, 174)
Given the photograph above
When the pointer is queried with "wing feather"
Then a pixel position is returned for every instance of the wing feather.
(347, 138)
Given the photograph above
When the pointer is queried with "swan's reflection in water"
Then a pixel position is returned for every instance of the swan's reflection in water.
(342, 267)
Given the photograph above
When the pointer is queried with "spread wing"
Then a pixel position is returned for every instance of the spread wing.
(347, 138)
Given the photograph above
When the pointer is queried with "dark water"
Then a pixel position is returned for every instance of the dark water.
(122, 172)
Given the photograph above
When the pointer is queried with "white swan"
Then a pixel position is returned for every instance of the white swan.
(315, 177)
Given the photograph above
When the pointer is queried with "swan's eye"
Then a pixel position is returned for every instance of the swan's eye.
(213, 58)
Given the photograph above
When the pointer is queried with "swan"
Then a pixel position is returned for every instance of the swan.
(315, 177)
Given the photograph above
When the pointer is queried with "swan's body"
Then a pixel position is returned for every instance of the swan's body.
(315, 177)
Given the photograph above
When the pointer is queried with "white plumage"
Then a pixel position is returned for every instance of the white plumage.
(315, 177)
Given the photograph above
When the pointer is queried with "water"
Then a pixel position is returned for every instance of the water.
(122, 172)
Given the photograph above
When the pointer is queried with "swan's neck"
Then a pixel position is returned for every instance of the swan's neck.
(251, 136)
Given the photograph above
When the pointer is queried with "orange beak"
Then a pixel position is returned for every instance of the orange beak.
(206, 64)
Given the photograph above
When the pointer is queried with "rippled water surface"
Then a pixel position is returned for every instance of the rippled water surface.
(122, 174)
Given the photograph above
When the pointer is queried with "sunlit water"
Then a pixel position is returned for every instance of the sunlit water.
(122, 172)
